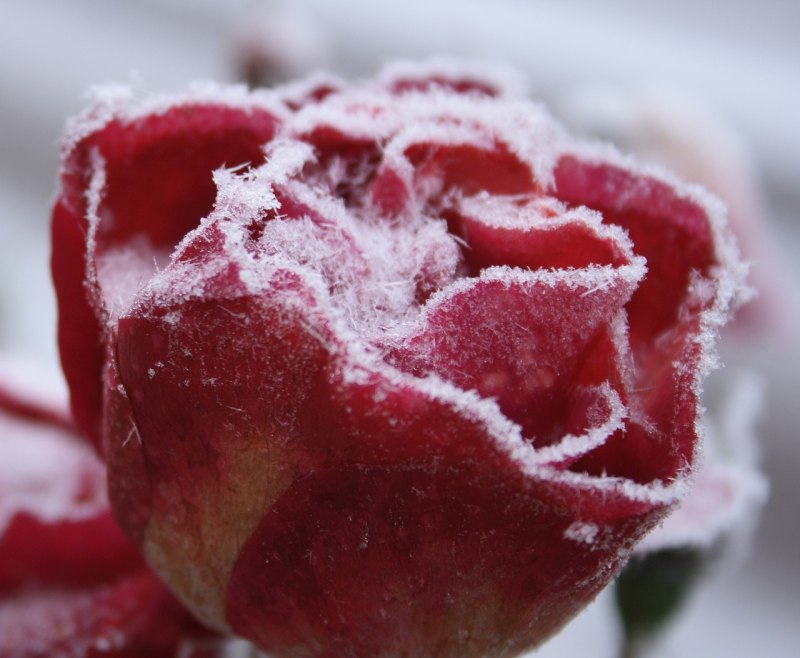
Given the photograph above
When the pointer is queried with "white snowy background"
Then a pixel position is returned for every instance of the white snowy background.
(739, 58)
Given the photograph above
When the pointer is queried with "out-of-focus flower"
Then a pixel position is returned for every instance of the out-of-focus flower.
(276, 41)
(391, 369)
(71, 584)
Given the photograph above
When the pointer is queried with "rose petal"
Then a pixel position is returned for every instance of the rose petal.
(145, 177)
(517, 338)
(470, 169)
(535, 233)
(366, 560)
(671, 231)
(248, 455)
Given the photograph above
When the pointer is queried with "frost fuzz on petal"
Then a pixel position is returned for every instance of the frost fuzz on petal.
(422, 329)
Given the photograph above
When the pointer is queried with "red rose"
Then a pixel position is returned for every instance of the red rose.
(71, 584)
(409, 374)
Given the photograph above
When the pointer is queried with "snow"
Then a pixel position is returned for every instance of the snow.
(582, 532)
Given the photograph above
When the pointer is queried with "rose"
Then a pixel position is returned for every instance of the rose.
(414, 383)
(71, 584)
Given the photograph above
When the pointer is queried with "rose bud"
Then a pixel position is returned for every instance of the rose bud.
(389, 369)
(71, 584)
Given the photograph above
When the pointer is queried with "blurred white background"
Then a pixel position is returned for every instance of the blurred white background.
(737, 58)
